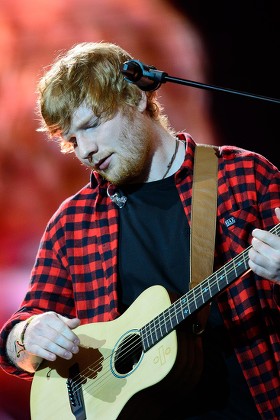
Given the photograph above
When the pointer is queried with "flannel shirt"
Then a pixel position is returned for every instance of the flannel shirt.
(75, 272)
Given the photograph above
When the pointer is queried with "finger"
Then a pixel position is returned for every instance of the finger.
(277, 212)
(59, 324)
(263, 239)
(50, 351)
(50, 336)
(258, 259)
(73, 323)
(52, 345)
(62, 341)
(266, 267)
(66, 328)
(259, 270)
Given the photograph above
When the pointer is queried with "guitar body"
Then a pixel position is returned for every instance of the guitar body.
(106, 384)
(133, 367)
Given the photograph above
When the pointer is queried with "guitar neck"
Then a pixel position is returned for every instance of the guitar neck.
(195, 298)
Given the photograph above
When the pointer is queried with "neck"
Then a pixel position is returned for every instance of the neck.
(173, 157)
(167, 156)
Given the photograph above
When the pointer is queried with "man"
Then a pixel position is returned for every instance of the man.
(129, 229)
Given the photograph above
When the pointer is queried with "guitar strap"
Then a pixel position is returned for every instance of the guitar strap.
(203, 215)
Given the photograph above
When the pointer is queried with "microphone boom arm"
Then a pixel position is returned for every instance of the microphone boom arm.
(149, 78)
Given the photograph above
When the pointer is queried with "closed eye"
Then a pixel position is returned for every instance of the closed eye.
(91, 124)
(73, 142)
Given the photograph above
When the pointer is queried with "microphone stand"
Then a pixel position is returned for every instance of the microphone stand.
(149, 78)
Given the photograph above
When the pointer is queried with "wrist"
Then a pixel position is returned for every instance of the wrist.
(16, 351)
(20, 344)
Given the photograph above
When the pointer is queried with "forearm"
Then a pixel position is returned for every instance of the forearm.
(16, 351)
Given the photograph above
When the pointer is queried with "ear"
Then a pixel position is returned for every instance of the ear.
(143, 102)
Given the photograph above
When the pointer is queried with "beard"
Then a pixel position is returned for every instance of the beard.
(134, 152)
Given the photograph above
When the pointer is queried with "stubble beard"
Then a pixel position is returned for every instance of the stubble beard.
(134, 155)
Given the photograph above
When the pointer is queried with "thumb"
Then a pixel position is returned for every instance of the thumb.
(277, 212)
(72, 323)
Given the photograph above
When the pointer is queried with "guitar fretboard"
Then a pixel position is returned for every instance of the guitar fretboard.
(194, 299)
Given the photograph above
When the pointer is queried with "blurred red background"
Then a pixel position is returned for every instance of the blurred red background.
(34, 176)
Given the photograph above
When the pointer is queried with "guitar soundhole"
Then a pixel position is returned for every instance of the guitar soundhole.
(128, 354)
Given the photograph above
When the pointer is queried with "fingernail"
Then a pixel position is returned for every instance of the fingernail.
(67, 355)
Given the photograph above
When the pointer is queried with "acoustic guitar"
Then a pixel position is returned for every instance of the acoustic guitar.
(119, 358)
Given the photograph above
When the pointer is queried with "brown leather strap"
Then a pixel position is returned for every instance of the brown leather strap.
(204, 213)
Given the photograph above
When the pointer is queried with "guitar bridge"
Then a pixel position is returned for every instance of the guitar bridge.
(75, 393)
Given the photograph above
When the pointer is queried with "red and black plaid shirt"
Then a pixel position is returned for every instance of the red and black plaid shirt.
(76, 272)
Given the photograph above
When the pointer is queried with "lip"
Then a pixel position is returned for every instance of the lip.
(103, 164)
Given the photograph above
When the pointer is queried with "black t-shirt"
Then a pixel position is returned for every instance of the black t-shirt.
(154, 240)
(154, 249)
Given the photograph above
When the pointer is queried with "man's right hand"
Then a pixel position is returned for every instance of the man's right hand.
(47, 336)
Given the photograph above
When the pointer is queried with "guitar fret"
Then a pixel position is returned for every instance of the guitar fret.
(176, 314)
(164, 323)
(160, 330)
(155, 331)
(202, 294)
(170, 318)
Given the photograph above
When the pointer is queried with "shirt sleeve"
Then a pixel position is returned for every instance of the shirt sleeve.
(50, 289)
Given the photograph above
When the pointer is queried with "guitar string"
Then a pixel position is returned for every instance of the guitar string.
(161, 316)
(101, 380)
(100, 384)
(90, 385)
(145, 335)
(128, 352)
(153, 330)
(146, 332)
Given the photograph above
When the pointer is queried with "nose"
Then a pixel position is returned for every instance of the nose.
(86, 148)
(86, 155)
(89, 157)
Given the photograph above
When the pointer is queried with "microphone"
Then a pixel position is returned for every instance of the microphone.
(144, 76)
(118, 198)
(149, 78)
